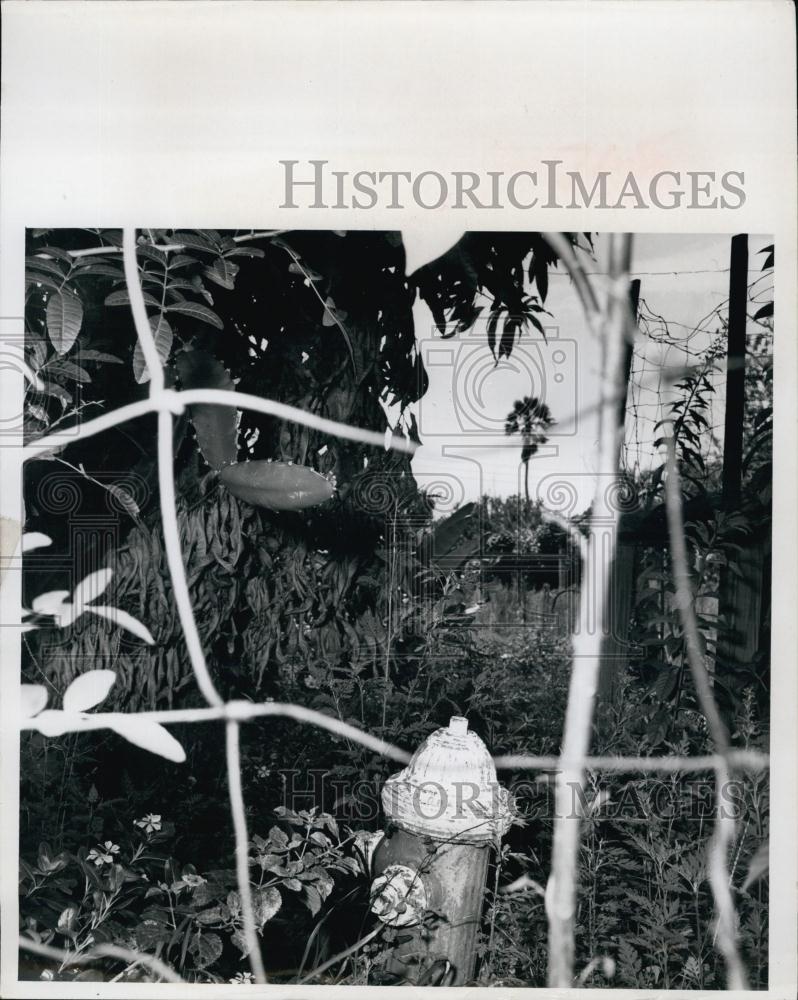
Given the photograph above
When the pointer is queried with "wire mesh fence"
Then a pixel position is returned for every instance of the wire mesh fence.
(612, 323)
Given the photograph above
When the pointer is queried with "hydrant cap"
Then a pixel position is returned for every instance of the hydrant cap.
(449, 790)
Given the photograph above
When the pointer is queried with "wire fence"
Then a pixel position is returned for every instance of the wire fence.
(612, 322)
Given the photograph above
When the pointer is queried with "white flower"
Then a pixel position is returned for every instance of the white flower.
(243, 977)
(103, 854)
(150, 823)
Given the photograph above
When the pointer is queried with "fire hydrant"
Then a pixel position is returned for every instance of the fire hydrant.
(445, 810)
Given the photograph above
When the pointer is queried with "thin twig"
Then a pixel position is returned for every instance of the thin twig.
(167, 247)
(329, 312)
(242, 848)
(101, 951)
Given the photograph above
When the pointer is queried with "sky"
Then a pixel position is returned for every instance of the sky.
(465, 452)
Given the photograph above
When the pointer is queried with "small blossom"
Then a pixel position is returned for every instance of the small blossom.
(150, 823)
(243, 977)
(194, 880)
(103, 854)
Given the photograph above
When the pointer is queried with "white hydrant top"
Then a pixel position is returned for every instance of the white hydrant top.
(449, 790)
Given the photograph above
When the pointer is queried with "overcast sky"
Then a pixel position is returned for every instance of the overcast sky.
(461, 418)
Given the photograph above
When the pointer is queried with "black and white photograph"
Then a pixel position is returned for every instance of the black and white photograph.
(296, 517)
(398, 475)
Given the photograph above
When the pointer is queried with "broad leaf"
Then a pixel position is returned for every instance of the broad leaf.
(427, 243)
(123, 620)
(195, 241)
(757, 866)
(100, 356)
(64, 320)
(238, 939)
(163, 335)
(90, 588)
(47, 267)
(245, 252)
(206, 948)
(222, 272)
(216, 426)
(35, 540)
(122, 298)
(88, 690)
(50, 603)
(197, 311)
(97, 270)
(266, 902)
(150, 736)
(33, 698)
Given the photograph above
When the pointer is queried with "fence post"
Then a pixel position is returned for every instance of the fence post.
(445, 810)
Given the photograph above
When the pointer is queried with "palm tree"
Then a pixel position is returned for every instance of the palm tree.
(530, 418)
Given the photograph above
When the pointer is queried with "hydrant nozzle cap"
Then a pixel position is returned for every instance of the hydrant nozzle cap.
(458, 725)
